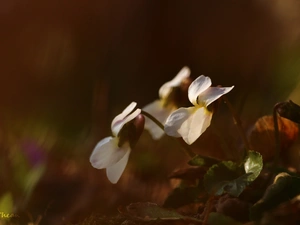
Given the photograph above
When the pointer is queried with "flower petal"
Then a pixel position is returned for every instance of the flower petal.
(132, 116)
(195, 125)
(115, 171)
(198, 86)
(176, 119)
(123, 118)
(165, 90)
(107, 153)
(212, 94)
(189, 123)
(161, 113)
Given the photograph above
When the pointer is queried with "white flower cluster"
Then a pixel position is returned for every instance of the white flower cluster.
(188, 123)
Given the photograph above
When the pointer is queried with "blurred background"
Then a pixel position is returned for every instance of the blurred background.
(69, 67)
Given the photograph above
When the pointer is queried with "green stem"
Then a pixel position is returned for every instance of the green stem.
(224, 144)
(239, 126)
(153, 119)
(187, 150)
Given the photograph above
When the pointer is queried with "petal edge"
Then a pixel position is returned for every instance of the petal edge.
(115, 171)
(198, 86)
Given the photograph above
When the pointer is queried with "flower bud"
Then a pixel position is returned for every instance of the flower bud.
(132, 131)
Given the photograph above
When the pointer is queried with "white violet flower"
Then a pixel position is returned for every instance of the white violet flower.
(189, 123)
(165, 105)
(113, 152)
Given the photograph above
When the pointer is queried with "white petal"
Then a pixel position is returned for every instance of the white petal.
(115, 171)
(189, 123)
(176, 119)
(165, 90)
(132, 116)
(161, 113)
(212, 94)
(195, 125)
(122, 118)
(107, 153)
(197, 87)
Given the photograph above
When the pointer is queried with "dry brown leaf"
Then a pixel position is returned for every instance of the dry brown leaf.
(233, 207)
(285, 213)
(262, 137)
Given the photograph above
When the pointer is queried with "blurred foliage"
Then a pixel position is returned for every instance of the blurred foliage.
(6, 203)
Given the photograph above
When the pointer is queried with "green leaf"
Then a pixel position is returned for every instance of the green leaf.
(284, 188)
(222, 177)
(237, 186)
(230, 177)
(220, 219)
(182, 196)
(253, 165)
(202, 161)
(6, 203)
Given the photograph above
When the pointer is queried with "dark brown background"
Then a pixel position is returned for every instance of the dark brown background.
(68, 67)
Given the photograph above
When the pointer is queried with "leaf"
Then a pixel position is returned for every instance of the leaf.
(284, 188)
(222, 177)
(182, 196)
(230, 178)
(147, 211)
(262, 138)
(220, 219)
(285, 213)
(6, 203)
(202, 161)
(253, 165)
(233, 207)
(237, 186)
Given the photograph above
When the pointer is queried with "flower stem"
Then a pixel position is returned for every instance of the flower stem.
(208, 208)
(276, 133)
(153, 119)
(238, 124)
(187, 150)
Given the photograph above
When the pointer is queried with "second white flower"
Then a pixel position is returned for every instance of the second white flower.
(189, 123)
